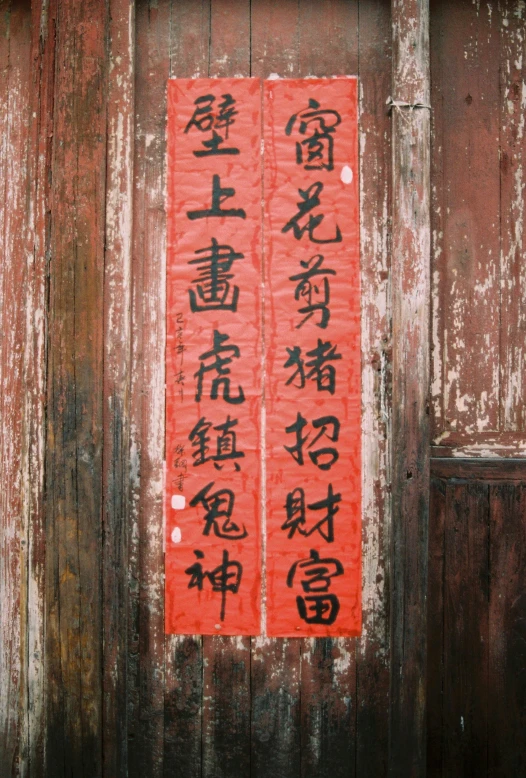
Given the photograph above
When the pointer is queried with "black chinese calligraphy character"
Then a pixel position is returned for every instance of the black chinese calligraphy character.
(206, 120)
(322, 372)
(315, 577)
(225, 443)
(324, 458)
(224, 578)
(219, 195)
(219, 506)
(296, 515)
(313, 288)
(310, 199)
(213, 291)
(218, 363)
(318, 127)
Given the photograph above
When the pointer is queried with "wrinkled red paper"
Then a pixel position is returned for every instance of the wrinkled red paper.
(307, 572)
(195, 565)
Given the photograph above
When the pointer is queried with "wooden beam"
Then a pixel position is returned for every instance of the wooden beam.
(73, 509)
(117, 383)
(410, 433)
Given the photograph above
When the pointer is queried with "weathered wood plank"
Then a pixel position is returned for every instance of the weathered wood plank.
(226, 707)
(152, 68)
(480, 469)
(183, 706)
(512, 151)
(372, 651)
(275, 34)
(190, 38)
(328, 38)
(410, 430)
(74, 434)
(42, 99)
(466, 650)
(507, 631)
(116, 387)
(435, 628)
(328, 708)
(466, 217)
(15, 168)
(230, 38)
(275, 700)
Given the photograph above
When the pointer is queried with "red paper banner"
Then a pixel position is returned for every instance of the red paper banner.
(213, 357)
(312, 343)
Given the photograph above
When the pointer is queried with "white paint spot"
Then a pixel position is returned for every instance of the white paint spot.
(462, 723)
(178, 502)
(346, 175)
(218, 626)
(176, 535)
(273, 77)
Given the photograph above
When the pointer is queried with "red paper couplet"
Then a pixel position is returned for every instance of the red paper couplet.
(213, 357)
(313, 392)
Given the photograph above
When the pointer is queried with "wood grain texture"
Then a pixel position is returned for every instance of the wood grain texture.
(478, 231)
(466, 595)
(275, 700)
(83, 161)
(373, 648)
(15, 166)
(116, 384)
(75, 366)
(410, 430)
(152, 68)
(435, 629)
(507, 631)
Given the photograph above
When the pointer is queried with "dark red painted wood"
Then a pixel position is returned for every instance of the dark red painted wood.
(74, 410)
(435, 628)
(507, 631)
(152, 68)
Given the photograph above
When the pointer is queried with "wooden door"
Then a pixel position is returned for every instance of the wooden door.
(90, 685)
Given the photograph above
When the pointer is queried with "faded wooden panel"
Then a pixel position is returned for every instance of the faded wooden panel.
(476, 634)
(435, 628)
(372, 650)
(74, 439)
(511, 18)
(37, 242)
(190, 38)
(478, 230)
(466, 229)
(152, 68)
(15, 83)
(226, 707)
(183, 707)
(229, 38)
(275, 698)
(116, 386)
(274, 38)
(507, 631)
(328, 708)
(466, 650)
(410, 430)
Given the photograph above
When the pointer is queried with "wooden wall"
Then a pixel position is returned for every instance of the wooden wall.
(89, 684)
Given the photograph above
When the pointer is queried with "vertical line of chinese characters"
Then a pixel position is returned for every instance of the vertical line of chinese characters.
(313, 357)
(213, 357)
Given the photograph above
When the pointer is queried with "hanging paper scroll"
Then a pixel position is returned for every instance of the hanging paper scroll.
(213, 357)
(313, 393)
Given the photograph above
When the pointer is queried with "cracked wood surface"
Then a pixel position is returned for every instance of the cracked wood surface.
(89, 681)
